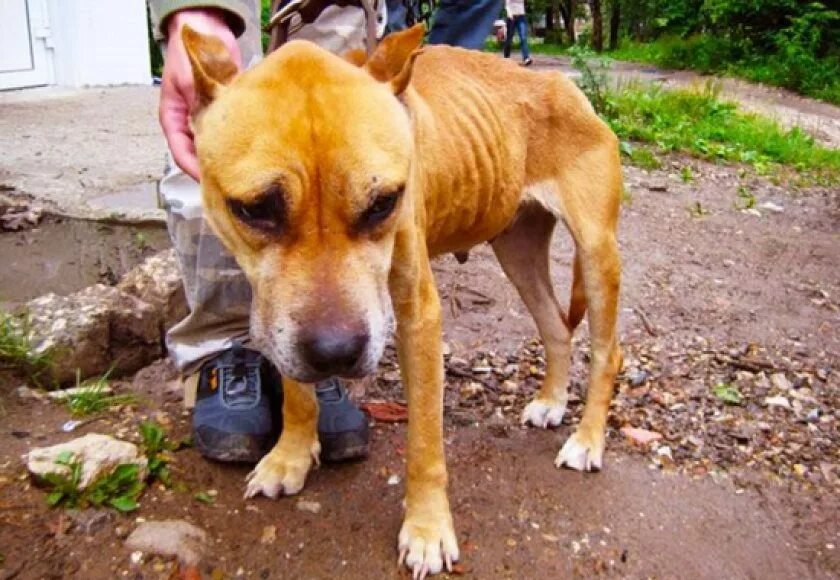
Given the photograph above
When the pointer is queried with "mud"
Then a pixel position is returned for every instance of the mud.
(63, 255)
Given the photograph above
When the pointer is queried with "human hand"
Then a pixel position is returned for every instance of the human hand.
(177, 91)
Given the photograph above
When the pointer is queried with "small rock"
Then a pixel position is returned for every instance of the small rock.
(656, 185)
(728, 263)
(269, 534)
(780, 381)
(640, 436)
(64, 394)
(471, 390)
(90, 521)
(773, 207)
(510, 387)
(778, 401)
(137, 558)
(813, 416)
(752, 211)
(25, 392)
(639, 377)
(99, 454)
(312, 507)
(169, 538)
(394, 480)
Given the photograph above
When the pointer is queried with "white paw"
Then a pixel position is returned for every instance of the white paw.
(428, 543)
(281, 472)
(543, 414)
(582, 453)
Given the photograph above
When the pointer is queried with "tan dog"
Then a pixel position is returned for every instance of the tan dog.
(334, 185)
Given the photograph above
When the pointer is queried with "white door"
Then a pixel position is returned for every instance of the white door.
(24, 31)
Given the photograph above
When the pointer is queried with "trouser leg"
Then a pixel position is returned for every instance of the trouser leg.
(464, 23)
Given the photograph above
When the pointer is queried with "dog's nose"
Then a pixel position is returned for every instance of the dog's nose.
(332, 351)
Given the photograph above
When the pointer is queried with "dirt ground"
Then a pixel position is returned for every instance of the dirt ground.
(711, 295)
(727, 280)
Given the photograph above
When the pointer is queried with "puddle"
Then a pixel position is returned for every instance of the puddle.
(64, 255)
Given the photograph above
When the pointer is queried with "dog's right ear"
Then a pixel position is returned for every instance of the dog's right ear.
(211, 63)
(393, 59)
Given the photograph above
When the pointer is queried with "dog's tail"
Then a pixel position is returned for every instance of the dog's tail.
(577, 302)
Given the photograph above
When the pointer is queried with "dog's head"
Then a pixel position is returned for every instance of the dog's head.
(305, 161)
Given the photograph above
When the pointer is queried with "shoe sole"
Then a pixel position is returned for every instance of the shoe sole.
(344, 446)
(235, 448)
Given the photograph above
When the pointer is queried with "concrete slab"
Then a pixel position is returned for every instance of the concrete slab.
(84, 153)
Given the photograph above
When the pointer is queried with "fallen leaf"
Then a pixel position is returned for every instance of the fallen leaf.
(386, 411)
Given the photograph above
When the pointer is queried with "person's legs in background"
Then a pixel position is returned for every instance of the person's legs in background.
(508, 36)
(464, 23)
(521, 24)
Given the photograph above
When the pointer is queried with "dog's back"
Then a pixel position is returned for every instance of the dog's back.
(486, 131)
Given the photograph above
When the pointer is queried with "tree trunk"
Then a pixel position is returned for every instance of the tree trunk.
(615, 20)
(567, 10)
(597, 25)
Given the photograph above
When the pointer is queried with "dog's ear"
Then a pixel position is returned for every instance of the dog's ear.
(393, 59)
(211, 64)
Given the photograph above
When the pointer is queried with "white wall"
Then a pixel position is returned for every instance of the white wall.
(99, 42)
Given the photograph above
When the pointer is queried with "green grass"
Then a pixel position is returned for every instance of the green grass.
(16, 350)
(94, 397)
(699, 123)
(795, 70)
(119, 489)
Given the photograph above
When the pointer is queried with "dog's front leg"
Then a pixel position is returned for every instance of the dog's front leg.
(284, 468)
(427, 538)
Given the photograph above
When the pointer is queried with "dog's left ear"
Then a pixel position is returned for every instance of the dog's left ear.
(211, 63)
(393, 59)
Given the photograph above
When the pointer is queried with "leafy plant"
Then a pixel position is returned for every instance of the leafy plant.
(686, 174)
(118, 489)
(204, 497)
(728, 393)
(93, 397)
(593, 78)
(16, 349)
(747, 199)
(157, 448)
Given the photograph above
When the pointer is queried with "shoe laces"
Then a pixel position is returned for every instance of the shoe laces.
(329, 391)
(239, 382)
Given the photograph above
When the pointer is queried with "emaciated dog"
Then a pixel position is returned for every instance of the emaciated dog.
(333, 183)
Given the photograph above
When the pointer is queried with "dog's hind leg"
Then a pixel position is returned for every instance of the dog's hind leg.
(590, 207)
(523, 252)
(283, 470)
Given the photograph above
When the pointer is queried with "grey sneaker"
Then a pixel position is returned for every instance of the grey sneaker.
(234, 417)
(342, 427)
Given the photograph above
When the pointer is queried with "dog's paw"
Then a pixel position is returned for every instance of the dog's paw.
(427, 543)
(282, 471)
(543, 414)
(583, 451)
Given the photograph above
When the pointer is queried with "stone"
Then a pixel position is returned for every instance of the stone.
(640, 436)
(91, 520)
(778, 401)
(94, 330)
(312, 507)
(157, 281)
(773, 207)
(780, 381)
(169, 538)
(99, 455)
(64, 394)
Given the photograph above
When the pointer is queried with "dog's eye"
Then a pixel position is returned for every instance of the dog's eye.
(382, 207)
(266, 213)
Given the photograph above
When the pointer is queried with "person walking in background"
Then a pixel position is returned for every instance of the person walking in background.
(515, 10)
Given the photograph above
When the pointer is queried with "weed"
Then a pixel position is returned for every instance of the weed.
(593, 78)
(686, 174)
(157, 448)
(626, 196)
(697, 210)
(16, 349)
(140, 241)
(119, 489)
(747, 199)
(204, 497)
(728, 393)
(93, 396)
